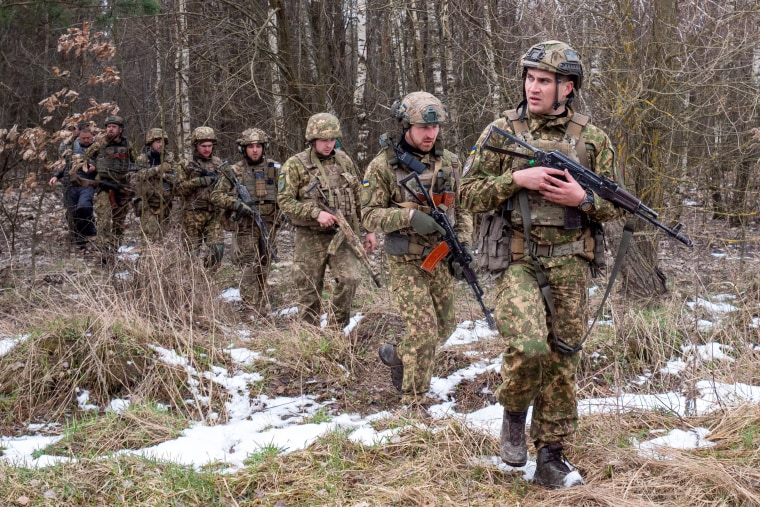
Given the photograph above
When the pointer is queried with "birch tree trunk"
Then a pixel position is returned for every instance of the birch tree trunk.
(362, 148)
(181, 79)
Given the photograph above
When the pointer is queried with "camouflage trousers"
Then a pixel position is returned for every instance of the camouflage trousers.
(154, 221)
(425, 302)
(200, 227)
(310, 261)
(110, 220)
(246, 252)
(532, 370)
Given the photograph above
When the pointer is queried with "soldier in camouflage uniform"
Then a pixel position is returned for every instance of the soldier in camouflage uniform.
(316, 246)
(542, 339)
(200, 217)
(154, 183)
(114, 157)
(259, 175)
(425, 299)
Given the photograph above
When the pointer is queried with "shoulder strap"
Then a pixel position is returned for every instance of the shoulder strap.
(519, 126)
(575, 131)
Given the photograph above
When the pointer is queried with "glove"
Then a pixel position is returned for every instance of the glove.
(456, 269)
(165, 167)
(206, 181)
(424, 224)
(242, 209)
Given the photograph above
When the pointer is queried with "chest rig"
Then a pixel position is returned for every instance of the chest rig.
(200, 198)
(261, 182)
(113, 162)
(543, 212)
(334, 177)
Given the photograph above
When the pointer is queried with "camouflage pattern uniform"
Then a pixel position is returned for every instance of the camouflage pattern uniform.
(314, 245)
(425, 300)
(200, 217)
(154, 185)
(533, 369)
(113, 160)
(260, 178)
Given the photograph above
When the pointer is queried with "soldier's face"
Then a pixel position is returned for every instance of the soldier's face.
(205, 149)
(254, 151)
(422, 137)
(85, 139)
(540, 86)
(324, 146)
(113, 131)
(157, 146)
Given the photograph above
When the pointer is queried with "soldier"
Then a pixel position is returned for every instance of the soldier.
(326, 172)
(154, 182)
(542, 333)
(114, 158)
(251, 249)
(425, 299)
(67, 149)
(200, 217)
(79, 181)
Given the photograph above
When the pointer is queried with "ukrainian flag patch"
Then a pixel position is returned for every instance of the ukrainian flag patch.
(473, 149)
(365, 183)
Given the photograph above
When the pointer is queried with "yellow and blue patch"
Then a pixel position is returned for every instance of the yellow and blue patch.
(365, 183)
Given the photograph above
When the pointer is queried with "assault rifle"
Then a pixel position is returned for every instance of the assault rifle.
(264, 244)
(588, 179)
(349, 234)
(450, 245)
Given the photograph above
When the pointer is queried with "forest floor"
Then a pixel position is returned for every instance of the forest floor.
(86, 327)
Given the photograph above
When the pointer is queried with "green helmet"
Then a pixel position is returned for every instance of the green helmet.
(201, 134)
(554, 56)
(253, 136)
(154, 135)
(419, 108)
(113, 119)
(323, 126)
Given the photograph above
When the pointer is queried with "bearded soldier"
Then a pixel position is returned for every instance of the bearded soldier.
(322, 172)
(114, 157)
(542, 330)
(424, 298)
(154, 183)
(200, 217)
(250, 248)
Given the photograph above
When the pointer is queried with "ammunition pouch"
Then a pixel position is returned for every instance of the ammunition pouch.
(494, 244)
(396, 243)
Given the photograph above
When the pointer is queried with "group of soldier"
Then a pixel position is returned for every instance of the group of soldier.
(534, 231)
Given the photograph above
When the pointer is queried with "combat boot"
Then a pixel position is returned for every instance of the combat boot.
(389, 357)
(552, 471)
(514, 449)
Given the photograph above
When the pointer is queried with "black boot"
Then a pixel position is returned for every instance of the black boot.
(389, 357)
(552, 471)
(514, 450)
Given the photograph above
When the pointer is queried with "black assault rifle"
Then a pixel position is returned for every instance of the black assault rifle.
(450, 245)
(245, 196)
(589, 180)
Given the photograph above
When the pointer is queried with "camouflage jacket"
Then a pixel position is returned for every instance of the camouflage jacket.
(260, 180)
(113, 159)
(194, 187)
(487, 182)
(384, 201)
(156, 175)
(342, 187)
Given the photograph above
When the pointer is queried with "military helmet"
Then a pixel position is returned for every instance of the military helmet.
(154, 135)
(116, 120)
(201, 134)
(420, 108)
(323, 126)
(253, 136)
(555, 56)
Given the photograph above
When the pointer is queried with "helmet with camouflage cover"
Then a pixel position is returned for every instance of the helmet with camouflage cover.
(554, 56)
(115, 120)
(323, 126)
(419, 108)
(201, 134)
(154, 135)
(253, 136)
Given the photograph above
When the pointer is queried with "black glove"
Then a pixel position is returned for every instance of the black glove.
(457, 270)
(242, 209)
(424, 224)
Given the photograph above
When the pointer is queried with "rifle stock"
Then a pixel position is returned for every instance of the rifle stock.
(586, 178)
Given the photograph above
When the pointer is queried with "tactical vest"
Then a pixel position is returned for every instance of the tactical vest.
(543, 212)
(440, 179)
(261, 182)
(113, 162)
(334, 180)
(200, 198)
(156, 190)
